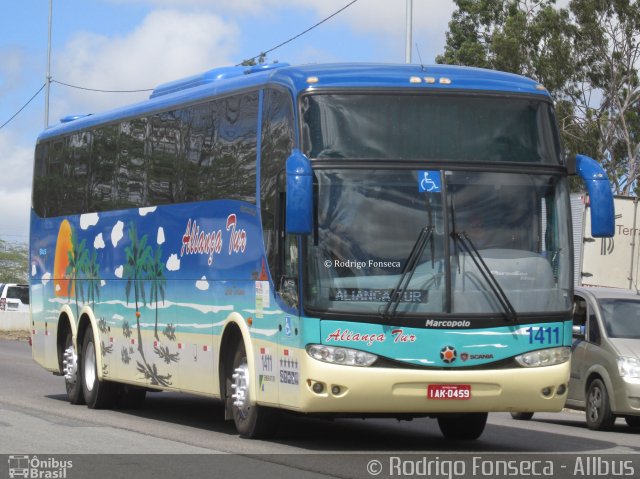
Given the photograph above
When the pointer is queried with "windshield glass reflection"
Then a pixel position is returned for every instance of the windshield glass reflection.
(368, 223)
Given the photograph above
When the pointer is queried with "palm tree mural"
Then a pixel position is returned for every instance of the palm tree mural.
(92, 273)
(158, 283)
(139, 263)
(138, 258)
(77, 255)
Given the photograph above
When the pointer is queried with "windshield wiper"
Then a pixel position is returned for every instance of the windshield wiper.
(488, 276)
(407, 272)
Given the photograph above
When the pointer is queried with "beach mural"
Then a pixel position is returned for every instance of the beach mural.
(160, 284)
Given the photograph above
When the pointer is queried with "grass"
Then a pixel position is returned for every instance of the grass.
(21, 335)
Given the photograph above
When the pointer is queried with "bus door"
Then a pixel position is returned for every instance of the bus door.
(290, 343)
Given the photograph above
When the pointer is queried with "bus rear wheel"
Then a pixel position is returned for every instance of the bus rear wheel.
(463, 427)
(70, 370)
(98, 394)
(251, 420)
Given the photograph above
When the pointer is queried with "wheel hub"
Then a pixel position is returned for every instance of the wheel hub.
(89, 366)
(70, 364)
(240, 388)
(595, 402)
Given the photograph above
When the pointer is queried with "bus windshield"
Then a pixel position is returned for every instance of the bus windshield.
(368, 223)
(460, 127)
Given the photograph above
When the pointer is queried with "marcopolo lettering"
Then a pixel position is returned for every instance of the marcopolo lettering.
(444, 323)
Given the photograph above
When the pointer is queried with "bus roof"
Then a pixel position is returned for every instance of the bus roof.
(310, 77)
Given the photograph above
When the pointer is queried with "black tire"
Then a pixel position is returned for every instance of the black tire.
(598, 410)
(463, 427)
(130, 397)
(522, 416)
(633, 421)
(251, 420)
(71, 360)
(98, 394)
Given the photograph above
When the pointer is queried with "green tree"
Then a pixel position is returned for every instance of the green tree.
(607, 94)
(14, 259)
(528, 37)
(586, 56)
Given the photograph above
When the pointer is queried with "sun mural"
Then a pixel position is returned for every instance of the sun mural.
(63, 248)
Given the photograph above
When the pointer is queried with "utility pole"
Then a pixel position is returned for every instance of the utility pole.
(407, 49)
(48, 78)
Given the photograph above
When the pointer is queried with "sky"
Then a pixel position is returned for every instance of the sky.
(138, 44)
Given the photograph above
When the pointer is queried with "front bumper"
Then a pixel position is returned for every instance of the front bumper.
(348, 389)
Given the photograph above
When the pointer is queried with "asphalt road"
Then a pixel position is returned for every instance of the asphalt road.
(177, 435)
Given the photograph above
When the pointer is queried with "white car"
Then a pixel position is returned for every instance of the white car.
(14, 297)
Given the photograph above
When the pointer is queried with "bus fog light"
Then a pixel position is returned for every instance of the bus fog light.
(346, 356)
(561, 390)
(544, 357)
(546, 392)
(335, 390)
(317, 388)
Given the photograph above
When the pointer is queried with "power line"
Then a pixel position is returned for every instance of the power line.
(23, 106)
(263, 54)
(100, 90)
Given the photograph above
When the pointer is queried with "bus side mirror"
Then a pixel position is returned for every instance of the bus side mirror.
(600, 196)
(299, 214)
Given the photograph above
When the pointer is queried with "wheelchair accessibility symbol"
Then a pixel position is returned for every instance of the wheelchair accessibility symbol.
(429, 181)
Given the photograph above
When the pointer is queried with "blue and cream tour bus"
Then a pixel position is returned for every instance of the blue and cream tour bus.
(348, 240)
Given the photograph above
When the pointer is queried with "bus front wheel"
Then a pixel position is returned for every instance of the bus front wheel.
(251, 420)
(98, 394)
(522, 416)
(463, 427)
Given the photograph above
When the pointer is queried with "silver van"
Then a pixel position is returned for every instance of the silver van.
(605, 363)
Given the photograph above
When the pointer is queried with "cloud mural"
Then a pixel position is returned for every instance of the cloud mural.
(160, 238)
(118, 271)
(173, 263)
(202, 284)
(98, 243)
(88, 220)
(146, 211)
(117, 233)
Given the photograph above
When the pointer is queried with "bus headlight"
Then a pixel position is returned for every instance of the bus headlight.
(345, 356)
(544, 357)
(629, 367)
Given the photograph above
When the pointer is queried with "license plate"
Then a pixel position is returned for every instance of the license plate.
(449, 391)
